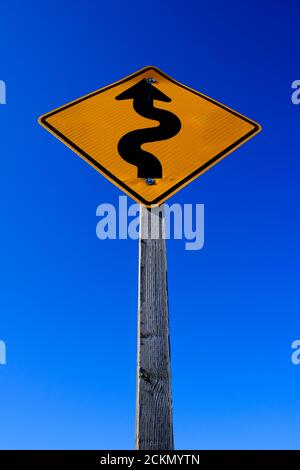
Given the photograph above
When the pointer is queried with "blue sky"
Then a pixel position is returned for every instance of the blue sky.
(68, 302)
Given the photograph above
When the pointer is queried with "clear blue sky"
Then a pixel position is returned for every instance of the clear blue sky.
(68, 302)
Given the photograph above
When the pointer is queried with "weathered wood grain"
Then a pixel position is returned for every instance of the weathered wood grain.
(154, 423)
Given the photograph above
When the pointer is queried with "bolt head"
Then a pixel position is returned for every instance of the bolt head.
(150, 181)
(150, 80)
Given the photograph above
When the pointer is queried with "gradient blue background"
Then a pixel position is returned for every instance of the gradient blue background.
(68, 301)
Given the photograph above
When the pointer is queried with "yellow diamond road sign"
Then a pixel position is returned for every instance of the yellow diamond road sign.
(149, 134)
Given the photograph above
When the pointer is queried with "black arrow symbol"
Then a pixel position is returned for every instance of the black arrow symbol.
(143, 94)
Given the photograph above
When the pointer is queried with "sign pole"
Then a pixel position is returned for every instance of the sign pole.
(154, 422)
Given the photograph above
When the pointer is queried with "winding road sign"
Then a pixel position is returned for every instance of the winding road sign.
(149, 134)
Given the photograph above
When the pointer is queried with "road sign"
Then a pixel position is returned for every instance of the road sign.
(149, 134)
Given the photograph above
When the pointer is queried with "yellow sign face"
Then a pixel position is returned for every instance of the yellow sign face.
(149, 134)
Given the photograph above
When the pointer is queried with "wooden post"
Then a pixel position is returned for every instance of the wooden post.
(154, 423)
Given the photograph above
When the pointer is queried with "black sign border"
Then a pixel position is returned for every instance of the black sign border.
(43, 121)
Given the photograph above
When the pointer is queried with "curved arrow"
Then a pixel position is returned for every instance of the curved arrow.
(129, 146)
